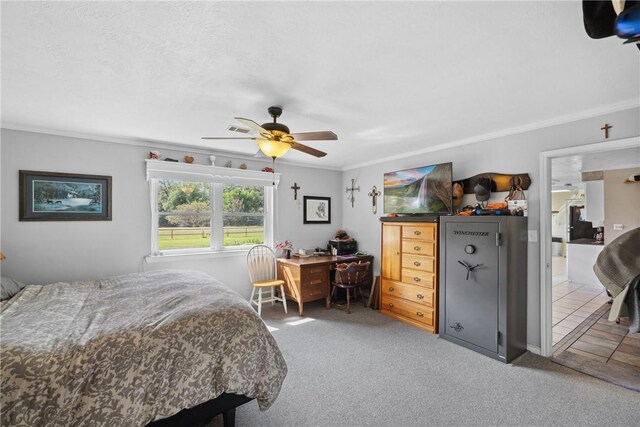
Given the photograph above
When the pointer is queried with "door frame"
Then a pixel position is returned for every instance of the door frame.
(546, 346)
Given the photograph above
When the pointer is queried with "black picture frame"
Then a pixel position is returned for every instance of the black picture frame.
(56, 196)
(316, 210)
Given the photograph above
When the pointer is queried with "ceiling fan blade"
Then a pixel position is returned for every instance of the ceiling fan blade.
(228, 137)
(253, 125)
(315, 136)
(306, 149)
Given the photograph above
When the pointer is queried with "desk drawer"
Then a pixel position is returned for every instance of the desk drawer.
(413, 293)
(408, 309)
(426, 232)
(315, 275)
(419, 278)
(419, 262)
(311, 292)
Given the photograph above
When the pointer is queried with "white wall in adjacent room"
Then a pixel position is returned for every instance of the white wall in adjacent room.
(621, 202)
(41, 252)
(519, 153)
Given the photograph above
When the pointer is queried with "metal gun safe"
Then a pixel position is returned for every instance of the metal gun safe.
(483, 284)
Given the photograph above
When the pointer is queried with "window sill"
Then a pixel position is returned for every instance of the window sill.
(192, 256)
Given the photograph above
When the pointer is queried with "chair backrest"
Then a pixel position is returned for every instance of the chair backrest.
(354, 273)
(261, 262)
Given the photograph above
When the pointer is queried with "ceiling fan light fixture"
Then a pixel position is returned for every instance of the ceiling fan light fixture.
(273, 149)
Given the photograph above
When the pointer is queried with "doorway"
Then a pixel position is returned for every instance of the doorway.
(546, 227)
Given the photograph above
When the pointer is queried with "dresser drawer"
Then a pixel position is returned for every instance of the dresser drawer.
(417, 294)
(408, 309)
(419, 278)
(419, 262)
(419, 232)
(419, 248)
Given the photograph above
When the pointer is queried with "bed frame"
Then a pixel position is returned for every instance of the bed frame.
(202, 414)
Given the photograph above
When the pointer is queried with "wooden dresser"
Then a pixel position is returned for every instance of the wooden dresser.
(409, 270)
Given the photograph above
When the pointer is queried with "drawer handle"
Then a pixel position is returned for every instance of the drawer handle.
(416, 248)
(417, 232)
(391, 289)
(416, 263)
(420, 296)
(391, 305)
(416, 279)
(420, 314)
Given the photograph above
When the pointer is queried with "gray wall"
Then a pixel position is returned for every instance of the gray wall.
(511, 154)
(45, 252)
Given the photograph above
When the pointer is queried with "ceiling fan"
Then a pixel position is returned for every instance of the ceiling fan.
(274, 139)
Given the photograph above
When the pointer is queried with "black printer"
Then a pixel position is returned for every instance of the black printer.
(344, 247)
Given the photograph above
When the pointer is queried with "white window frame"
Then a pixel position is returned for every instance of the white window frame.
(218, 177)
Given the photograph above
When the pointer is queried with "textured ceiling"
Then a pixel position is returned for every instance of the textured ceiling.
(389, 78)
(566, 172)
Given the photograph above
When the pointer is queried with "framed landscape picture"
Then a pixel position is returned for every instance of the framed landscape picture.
(53, 196)
(317, 210)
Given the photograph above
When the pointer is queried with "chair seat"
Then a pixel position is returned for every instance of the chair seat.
(347, 285)
(267, 283)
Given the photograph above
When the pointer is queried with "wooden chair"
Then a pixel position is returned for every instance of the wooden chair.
(261, 262)
(350, 277)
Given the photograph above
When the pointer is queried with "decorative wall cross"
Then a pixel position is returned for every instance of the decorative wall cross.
(374, 193)
(606, 128)
(351, 190)
(295, 189)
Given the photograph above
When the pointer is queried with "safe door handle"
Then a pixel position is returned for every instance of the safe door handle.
(469, 268)
(416, 263)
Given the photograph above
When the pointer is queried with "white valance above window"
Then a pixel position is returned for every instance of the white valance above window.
(160, 169)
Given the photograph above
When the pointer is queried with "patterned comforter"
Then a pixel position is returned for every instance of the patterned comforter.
(127, 350)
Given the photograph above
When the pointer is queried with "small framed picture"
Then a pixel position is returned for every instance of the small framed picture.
(53, 196)
(317, 210)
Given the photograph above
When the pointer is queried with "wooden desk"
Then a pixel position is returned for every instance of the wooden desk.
(312, 276)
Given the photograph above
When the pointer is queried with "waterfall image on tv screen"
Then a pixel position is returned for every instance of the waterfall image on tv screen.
(427, 189)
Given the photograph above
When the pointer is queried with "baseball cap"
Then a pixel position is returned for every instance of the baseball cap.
(483, 189)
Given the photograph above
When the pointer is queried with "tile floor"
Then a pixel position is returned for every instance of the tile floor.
(572, 302)
(602, 349)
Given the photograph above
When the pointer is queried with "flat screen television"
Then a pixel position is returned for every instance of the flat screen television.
(423, 190)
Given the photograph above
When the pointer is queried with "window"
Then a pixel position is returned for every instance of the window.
(184, 215)
(192, 212)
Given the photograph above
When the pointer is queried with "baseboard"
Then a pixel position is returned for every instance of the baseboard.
(533, 349)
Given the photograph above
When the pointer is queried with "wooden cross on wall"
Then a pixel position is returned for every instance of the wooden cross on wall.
(374, 193)
(295, 189)
(606, 128)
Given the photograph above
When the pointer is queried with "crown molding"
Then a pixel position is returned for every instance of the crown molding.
(608, 109)
(163, 145)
